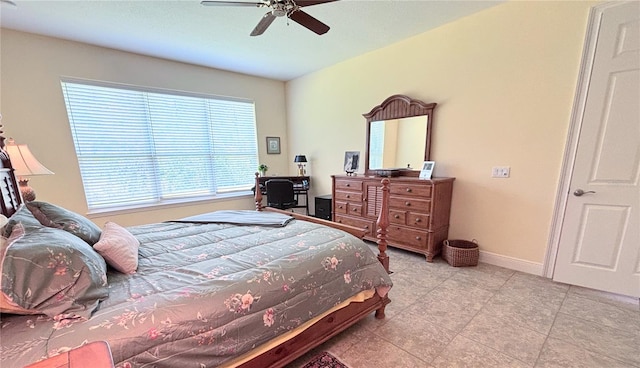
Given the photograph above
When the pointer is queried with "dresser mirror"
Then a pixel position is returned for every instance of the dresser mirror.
(398, 137)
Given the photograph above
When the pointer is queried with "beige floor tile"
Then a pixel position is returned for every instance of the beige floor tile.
(465, 353)
(560, 354)
(415, 336)
(602, 313)
(620, 301)
(450, 308)
(614, 343)
(375, 352)
(538, 318)
(487, 281)
(513, 340)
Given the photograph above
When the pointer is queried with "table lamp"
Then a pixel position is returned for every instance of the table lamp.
(300, 160)
(25, 164)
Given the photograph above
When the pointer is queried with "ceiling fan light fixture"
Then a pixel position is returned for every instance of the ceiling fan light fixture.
(279, 8)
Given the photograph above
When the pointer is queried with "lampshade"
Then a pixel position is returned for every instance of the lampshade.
(300, 158)
(25, 164)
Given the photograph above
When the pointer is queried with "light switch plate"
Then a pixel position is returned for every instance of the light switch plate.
(500, 172)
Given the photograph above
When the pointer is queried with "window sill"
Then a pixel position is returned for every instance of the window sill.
(168, 204)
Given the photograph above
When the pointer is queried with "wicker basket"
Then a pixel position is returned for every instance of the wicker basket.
(461, 253)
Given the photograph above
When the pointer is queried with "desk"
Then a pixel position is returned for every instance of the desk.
(300, 188)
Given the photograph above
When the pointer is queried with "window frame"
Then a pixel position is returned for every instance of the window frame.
(161, 200)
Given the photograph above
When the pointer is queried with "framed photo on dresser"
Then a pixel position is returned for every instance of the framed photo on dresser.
(427, 170)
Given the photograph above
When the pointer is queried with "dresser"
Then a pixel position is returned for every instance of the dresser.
(418, 209)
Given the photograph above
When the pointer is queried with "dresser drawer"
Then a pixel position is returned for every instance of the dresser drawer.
(414, 190)
(354, 209)
(341, 207)
(420, 220)
(355, 185)
(411, 237)
(397, 217)
(410, 204)
(349, 197)
(369, 226)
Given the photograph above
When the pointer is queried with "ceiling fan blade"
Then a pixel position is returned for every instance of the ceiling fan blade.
(309, 22)
(232, 3)
(264, 23)
(302, 3)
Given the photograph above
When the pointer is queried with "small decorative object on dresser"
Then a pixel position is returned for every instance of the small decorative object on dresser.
(427, 169)
(351, 161)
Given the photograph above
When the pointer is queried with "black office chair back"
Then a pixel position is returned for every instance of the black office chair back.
(280, 194)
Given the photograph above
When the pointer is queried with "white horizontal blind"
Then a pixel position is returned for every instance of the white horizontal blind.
(142, 147)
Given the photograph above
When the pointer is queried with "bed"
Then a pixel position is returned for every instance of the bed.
(255, 289)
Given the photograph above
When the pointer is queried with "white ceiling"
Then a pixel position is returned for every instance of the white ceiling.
(218, 37)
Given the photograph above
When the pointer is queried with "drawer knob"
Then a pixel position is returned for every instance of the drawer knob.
(340, 221)
(366, 227)
(408, 190)
(348, 196)
(396, 216)
(418, 219)
(407, 203)
(418, 237)
(340, 207)
(355, 210)
(348, 184)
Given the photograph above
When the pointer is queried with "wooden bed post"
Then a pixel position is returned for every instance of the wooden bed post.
(258, 193)
(383, 224)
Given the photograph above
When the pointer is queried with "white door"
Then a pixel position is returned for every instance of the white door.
(599, 245)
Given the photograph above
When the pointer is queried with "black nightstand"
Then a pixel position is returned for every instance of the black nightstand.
(323, 207)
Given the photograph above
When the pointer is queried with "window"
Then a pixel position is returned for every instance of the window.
(138, 147)
(376, 144)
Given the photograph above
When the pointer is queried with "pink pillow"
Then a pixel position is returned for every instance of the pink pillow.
(118, 247)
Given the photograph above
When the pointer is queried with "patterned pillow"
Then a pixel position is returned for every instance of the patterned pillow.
(21, 216)
(50, 271)
(55, 216)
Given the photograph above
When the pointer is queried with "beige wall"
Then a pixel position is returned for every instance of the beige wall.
(33, 110)
(504, 80)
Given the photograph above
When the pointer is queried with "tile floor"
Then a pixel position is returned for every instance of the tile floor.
(488, 316)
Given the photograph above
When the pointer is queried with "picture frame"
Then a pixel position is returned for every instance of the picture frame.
(351, 161)
(427, 170)
(273, 145)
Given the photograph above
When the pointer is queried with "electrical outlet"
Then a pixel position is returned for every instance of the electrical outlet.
(500, 172)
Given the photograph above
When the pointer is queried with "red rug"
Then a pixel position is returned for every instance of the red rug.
(325, 360)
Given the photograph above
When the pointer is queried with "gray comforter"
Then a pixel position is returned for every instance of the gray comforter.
(206, 293)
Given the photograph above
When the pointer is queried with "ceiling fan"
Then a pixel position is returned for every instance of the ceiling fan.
(280, 8)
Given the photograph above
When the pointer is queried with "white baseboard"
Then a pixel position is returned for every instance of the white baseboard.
(511, 263)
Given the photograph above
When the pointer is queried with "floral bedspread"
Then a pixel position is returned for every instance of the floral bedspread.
(206, 293)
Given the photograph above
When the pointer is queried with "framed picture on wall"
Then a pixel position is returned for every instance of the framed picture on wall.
(273, 145)
(427, 169)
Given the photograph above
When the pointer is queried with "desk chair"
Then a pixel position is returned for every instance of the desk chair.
(280, 194)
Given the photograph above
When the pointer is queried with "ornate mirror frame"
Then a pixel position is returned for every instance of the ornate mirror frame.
(398, 107)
